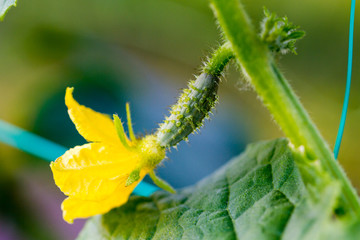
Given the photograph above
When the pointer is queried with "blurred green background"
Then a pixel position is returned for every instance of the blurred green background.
(144, 51)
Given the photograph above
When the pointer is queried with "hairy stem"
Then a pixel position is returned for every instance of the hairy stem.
(220, 58)
(258, 65)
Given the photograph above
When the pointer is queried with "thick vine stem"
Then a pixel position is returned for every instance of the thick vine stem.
(258, 65)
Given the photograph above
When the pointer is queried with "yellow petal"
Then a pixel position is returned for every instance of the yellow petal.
(77, 208)
(93, 171)
(93, 126)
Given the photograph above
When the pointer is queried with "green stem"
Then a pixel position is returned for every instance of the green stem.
(258, 65)
(220, 58)
(161, 183)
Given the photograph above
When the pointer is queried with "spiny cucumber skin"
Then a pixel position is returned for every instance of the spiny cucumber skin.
(194, 104)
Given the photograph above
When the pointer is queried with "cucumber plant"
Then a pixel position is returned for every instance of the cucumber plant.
(289, 188)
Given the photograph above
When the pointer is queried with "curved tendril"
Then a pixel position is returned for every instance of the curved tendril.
(348, 82)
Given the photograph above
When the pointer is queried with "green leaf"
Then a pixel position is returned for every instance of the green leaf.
(349, 230)
(259, 195)
(4, 7)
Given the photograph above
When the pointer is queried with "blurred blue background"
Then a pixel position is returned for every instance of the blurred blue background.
(143, 52)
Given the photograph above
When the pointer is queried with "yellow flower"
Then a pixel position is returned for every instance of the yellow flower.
(101, 174)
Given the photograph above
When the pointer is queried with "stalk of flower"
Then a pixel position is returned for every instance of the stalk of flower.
(101, 174)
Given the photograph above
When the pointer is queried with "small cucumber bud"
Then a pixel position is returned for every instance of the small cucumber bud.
(194, 104)
(280, 34)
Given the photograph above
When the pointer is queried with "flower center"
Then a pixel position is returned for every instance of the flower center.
(151, 151)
